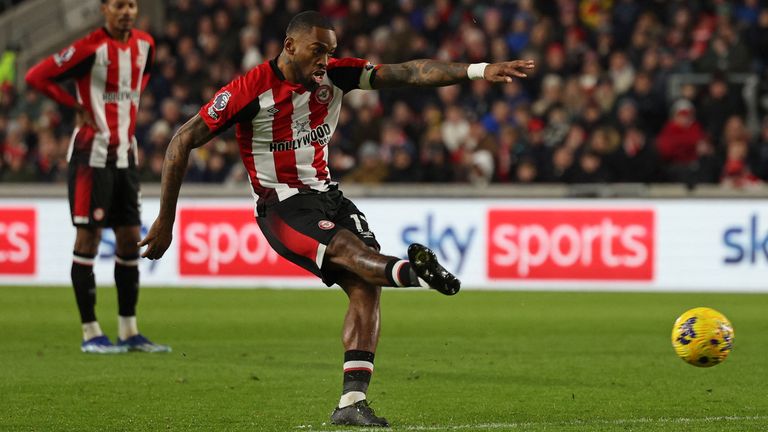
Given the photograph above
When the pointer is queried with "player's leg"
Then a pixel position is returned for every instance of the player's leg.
(83, 280)
(125, 218)
(326, 233)
(348, 250)
(127, 278)
(360, 336)
(87, 199)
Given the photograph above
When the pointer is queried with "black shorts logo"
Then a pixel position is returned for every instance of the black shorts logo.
(325, 225)
(98, 214)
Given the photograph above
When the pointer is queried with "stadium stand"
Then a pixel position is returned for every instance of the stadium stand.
(624, 91)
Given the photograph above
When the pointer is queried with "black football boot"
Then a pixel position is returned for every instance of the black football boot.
(357, 414)
(425, 265)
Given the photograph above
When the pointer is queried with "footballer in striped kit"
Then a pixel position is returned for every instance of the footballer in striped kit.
(284, 112)
(110, 68)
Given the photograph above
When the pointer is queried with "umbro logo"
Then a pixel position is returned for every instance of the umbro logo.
(272, 111)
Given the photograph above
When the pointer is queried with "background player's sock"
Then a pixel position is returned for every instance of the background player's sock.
(358, 367)
(84, 284)
(127, 281)
(91, 330)
(126, 327)
(400, 274)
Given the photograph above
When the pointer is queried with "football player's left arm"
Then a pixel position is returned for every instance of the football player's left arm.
(436, 73)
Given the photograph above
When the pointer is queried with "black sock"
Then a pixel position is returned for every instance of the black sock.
(84, 284)
(127, 281)
(358, 368)
(400, 274)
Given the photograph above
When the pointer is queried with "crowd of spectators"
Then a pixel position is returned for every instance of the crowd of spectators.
(600, 106)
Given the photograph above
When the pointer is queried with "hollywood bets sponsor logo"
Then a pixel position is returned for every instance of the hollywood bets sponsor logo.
(228, 242)
(588, 244)
(320, 135)
(17, 241)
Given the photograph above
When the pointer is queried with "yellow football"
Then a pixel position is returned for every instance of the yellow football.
(702, 337)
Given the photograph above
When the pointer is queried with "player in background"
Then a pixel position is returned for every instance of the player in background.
(110, 67)
(284, 112)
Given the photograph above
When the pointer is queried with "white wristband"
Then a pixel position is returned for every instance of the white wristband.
(476, 71)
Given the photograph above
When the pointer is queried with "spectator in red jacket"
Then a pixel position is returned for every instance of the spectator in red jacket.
(680, 137)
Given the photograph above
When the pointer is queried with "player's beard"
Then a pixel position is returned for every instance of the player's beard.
(305, 79)
(310, 84)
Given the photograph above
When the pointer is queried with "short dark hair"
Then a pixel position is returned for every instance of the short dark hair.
(304, 21)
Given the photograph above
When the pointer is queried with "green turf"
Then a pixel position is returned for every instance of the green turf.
(265, 360)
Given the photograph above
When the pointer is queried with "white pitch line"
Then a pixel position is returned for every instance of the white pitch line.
(527, 425)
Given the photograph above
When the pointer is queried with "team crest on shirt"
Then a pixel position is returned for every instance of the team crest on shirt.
(324, 94)
(325, 225)
(64, 56)
(219, 103)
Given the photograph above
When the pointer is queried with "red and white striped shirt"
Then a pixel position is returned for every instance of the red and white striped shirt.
(110, 76)
(282, 128)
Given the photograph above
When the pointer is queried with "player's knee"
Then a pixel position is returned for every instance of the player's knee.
(87, 241)
(127, 241)
(345, 247)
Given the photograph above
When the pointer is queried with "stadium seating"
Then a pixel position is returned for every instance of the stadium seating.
(634, 91)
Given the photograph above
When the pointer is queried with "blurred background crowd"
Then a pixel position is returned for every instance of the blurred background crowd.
(624, 91)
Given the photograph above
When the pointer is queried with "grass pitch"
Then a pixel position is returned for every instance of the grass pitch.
(265, 360)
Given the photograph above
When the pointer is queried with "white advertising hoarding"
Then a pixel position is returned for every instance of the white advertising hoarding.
(701, 245)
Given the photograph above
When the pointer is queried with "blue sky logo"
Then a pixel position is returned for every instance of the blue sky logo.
(746, 243)
(108, 245)
(451, 244)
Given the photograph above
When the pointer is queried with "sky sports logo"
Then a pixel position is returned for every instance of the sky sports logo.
(585, 244)
(747, 243)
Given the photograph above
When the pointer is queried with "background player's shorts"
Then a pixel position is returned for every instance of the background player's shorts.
(103, 197)
(300, 228)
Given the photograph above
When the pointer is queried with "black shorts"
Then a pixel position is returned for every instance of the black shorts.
(104, 197)
(300, 228)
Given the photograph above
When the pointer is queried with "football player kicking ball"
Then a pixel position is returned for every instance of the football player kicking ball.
(285, 112)
(110, 68)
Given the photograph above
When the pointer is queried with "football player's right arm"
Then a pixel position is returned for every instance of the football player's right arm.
(234, 103)
(191, 135)
(71, 63)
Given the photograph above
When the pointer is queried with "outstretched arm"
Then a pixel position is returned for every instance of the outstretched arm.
(191, 135)
(435, 73)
